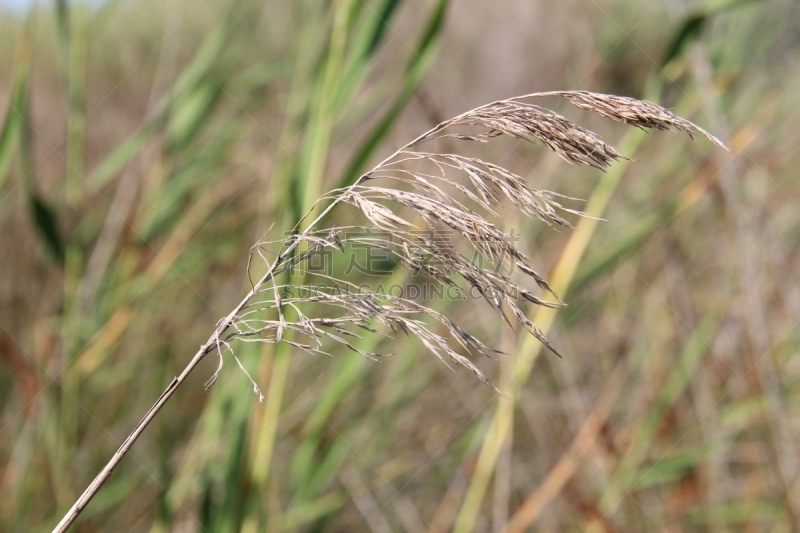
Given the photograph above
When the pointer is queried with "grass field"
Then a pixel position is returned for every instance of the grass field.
(146, 146)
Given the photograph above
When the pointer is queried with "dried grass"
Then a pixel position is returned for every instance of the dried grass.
(345, 309)
(433, 180)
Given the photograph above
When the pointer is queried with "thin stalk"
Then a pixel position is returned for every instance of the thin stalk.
(74, 42)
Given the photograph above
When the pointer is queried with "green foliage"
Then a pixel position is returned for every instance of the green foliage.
(146, 146)
(692, 27)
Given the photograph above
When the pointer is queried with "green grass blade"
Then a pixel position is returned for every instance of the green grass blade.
(193, 75)
(44, 219)
(14, 121)
(418, 65)
(692, 27)
(364, 47)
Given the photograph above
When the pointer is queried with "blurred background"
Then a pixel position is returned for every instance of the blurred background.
(145, 146)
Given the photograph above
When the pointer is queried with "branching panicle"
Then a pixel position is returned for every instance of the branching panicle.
(406, 224)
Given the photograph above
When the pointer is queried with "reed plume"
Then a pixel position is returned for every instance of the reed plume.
(409, 199)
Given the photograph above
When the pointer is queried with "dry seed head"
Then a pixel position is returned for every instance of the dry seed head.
(334, 309)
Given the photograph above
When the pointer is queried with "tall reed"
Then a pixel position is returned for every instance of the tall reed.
(409, 199)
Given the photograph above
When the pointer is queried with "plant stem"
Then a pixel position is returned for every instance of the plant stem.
(207, 347)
